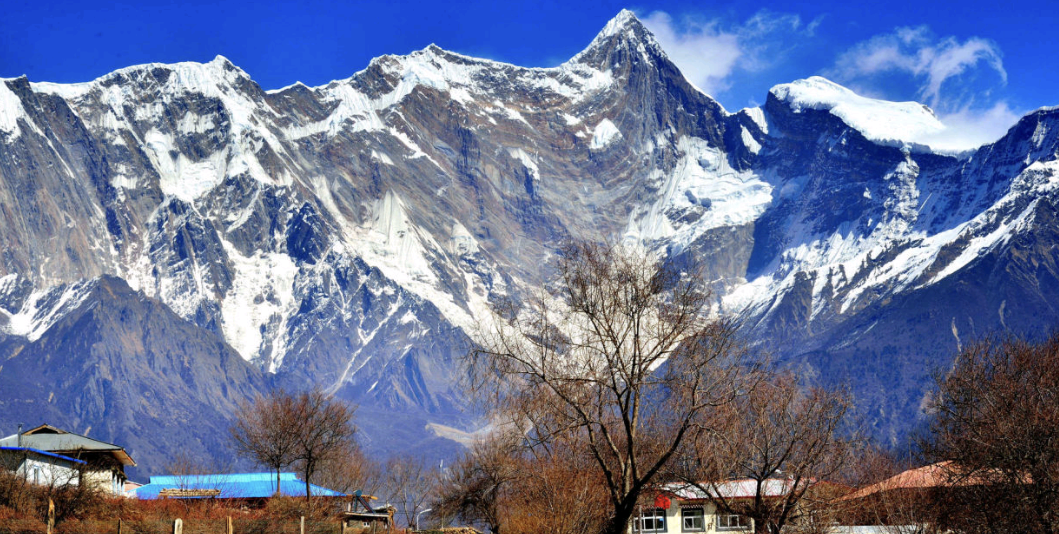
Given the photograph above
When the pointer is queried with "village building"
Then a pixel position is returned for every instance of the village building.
(361, 516)
(53, 455)
(908, 501)
(131, 487)
(681, 508)
(39, 467)
(247, 489)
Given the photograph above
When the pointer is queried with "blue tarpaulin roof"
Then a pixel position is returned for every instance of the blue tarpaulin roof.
(233, 486)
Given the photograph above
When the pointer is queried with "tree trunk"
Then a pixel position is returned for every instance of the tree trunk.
(619, 524)
(761, 526)
(310, 468)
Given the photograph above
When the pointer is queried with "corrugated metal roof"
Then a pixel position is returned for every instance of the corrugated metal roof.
(733, 489)
(64, 441)
(234, 486)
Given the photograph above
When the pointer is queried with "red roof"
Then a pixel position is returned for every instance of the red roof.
(928, 476)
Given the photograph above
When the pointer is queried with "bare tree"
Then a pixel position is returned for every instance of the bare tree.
(349, 470)
(475, 487)
(772, 454)
(308, 430)
(621, 360)
(409, 483)
(266, 430)
(996, 421)
(891, 495)
(501, 485)
(324, 430)
(562, 492)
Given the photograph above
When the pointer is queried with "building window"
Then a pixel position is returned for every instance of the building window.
(732, 522)
(692, 520)
(650, 520)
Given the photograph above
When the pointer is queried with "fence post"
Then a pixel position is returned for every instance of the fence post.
(230, 530)
(178, 526)
(121, 527)
(301, 529)
(51, 515)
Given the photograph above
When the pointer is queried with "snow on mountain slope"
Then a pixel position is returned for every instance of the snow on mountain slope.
(843, 265)
(879, 120)
(467, 80)
(352, 234)
(10, 112)
(700, 193)
(43, 308)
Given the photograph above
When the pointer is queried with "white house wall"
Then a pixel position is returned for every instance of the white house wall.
(674, 521)
(46, 473)
(106, 480)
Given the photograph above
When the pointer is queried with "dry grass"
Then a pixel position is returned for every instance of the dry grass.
(24, 510)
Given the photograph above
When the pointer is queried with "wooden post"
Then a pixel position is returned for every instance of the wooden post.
(178, 526)
(301, 529)
(230, 530)
(121, 527)
(51, 516)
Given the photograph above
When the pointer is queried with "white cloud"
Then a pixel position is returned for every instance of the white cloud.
(708, 51)
(970, 128)
(947, 75)
(703, 52)
(915, 51)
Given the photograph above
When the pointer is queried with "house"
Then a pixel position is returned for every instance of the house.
(41, 467)
(927, 477)
(250, 489)
(98, 463)
(361, 516)
(682, 508)
(131, 487)
(909, 501)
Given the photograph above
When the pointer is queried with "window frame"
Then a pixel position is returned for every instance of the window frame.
(701, 511)
(656, 515)
(744, 520)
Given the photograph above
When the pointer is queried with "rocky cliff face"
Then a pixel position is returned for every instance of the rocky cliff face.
(350, 235)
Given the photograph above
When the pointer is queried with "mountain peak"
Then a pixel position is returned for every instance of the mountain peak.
(623, 20)
(624, 32)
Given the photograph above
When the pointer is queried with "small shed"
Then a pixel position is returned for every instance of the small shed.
(361, 517)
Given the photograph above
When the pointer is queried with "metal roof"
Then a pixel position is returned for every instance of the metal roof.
(743, 488)
(49, 438)
(233, 486)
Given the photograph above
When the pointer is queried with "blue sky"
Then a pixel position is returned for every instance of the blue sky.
(978, 64)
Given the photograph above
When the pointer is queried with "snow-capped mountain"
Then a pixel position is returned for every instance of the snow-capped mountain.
(350, 235)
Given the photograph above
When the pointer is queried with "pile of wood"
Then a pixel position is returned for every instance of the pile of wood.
(188, 493)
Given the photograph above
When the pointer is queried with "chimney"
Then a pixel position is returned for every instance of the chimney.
(20, 435)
